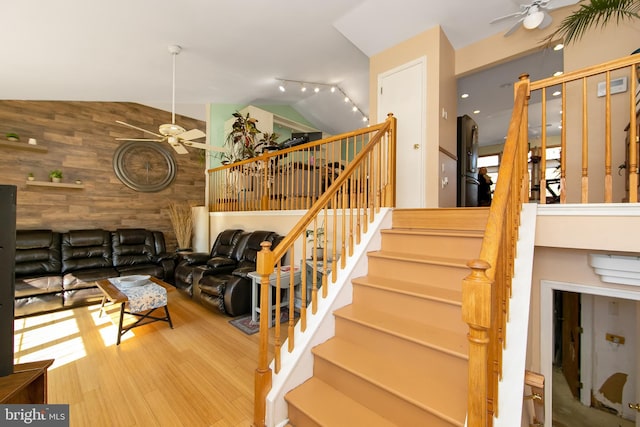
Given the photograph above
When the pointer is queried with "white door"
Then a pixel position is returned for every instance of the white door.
(403, 92)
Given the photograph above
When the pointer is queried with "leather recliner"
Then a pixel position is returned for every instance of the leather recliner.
(219, 260)
(141, 251)
(231, 292)
(86, 257)
(38, 263)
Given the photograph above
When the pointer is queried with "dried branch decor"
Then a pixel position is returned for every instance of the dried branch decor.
(182, 222)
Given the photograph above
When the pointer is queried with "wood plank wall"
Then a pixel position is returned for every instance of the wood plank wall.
(80, 139)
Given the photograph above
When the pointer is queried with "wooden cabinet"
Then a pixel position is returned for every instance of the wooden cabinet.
(27, 384)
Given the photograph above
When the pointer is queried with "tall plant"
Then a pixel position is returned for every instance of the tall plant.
(245, 140)
(182, 222)
(594, 13)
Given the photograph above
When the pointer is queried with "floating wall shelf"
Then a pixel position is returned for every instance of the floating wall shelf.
(54, 184)
(23, 146)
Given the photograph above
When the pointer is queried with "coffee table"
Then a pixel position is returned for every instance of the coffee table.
(115, 296)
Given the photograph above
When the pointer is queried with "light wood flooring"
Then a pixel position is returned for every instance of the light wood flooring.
(201, 373)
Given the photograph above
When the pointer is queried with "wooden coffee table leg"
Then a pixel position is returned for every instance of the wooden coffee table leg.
(166, 310)
(120, 323)
(104, 300)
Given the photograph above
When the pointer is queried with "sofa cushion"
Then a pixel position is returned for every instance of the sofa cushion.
(37, 304)
(78, 297)
(132, 247)
(86, 250)
(28, 286)
(218, 262)
(82, 279)
(37, 253)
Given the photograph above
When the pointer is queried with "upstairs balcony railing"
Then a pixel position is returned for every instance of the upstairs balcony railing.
(286, 179)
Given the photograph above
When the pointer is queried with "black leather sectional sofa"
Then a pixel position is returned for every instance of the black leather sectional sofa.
(55, 270)
(219, 279)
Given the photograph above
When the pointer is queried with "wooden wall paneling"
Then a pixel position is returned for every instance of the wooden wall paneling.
(80, 140)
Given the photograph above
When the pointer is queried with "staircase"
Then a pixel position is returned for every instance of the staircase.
(399, 354)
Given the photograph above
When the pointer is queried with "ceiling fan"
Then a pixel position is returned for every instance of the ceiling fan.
(177, 136)
(534, 15)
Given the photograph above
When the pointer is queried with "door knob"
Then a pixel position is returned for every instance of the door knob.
(635, 406)
(416, 146)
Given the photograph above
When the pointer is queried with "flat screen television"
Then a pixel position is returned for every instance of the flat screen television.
(7, 267)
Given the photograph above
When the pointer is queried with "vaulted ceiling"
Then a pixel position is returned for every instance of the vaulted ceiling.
(233, 52)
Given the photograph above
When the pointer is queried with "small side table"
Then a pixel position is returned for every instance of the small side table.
(284, 284)
(323, 268)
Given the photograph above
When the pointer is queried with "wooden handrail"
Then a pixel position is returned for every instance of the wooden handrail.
(485, 291)
(357, 193)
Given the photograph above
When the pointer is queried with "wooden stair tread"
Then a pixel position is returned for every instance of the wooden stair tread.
(440, 339)
(434, 232)
(328, 406)
(420, 290)
(426, 259)
(411, 383)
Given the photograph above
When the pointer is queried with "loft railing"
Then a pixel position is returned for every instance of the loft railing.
(598, 121)
(334, 223)
(487, 289)
(290, 178)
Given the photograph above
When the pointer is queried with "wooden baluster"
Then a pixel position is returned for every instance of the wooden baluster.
(292, 297)
(608, 180)
(633, 138)
(303, 284)
(563, 147)
(543, 151)
(277, 344)
(585, 146)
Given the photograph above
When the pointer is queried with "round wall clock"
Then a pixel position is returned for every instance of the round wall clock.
(144, 166)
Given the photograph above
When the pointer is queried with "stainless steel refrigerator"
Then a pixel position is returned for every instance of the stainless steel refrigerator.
(467, 162)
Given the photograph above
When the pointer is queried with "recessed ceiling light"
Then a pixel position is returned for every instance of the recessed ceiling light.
(464, 95)
(476, 111)
(558, 73)
(556, 93)
(559, 46)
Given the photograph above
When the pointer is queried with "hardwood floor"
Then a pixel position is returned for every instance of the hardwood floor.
(198, 374)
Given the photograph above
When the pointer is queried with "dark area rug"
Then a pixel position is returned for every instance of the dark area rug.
(246, 325)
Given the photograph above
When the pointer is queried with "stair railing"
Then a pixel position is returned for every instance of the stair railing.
(486, 290)
(334, 223)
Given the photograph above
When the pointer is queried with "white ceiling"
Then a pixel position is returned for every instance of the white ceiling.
(232, 51)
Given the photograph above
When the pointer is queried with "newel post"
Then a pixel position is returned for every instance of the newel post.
(264, 267)
(476, 312)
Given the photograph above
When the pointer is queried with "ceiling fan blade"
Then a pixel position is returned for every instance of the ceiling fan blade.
(545, 22)
(138, 139)
(556, 4)
(204, 146)
(511, 15)
(178, 147)
(192, 134)
(514, 28)
(140, 129)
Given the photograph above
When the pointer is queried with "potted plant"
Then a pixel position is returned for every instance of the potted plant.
(30, 176)
(241, 141)
(55, 175)
(594, 14)
(12, 136)
(182, 222)
(319, 241)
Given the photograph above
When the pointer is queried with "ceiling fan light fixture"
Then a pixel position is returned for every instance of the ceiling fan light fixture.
(533, 19)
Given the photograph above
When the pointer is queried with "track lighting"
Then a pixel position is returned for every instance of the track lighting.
(317, 87)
